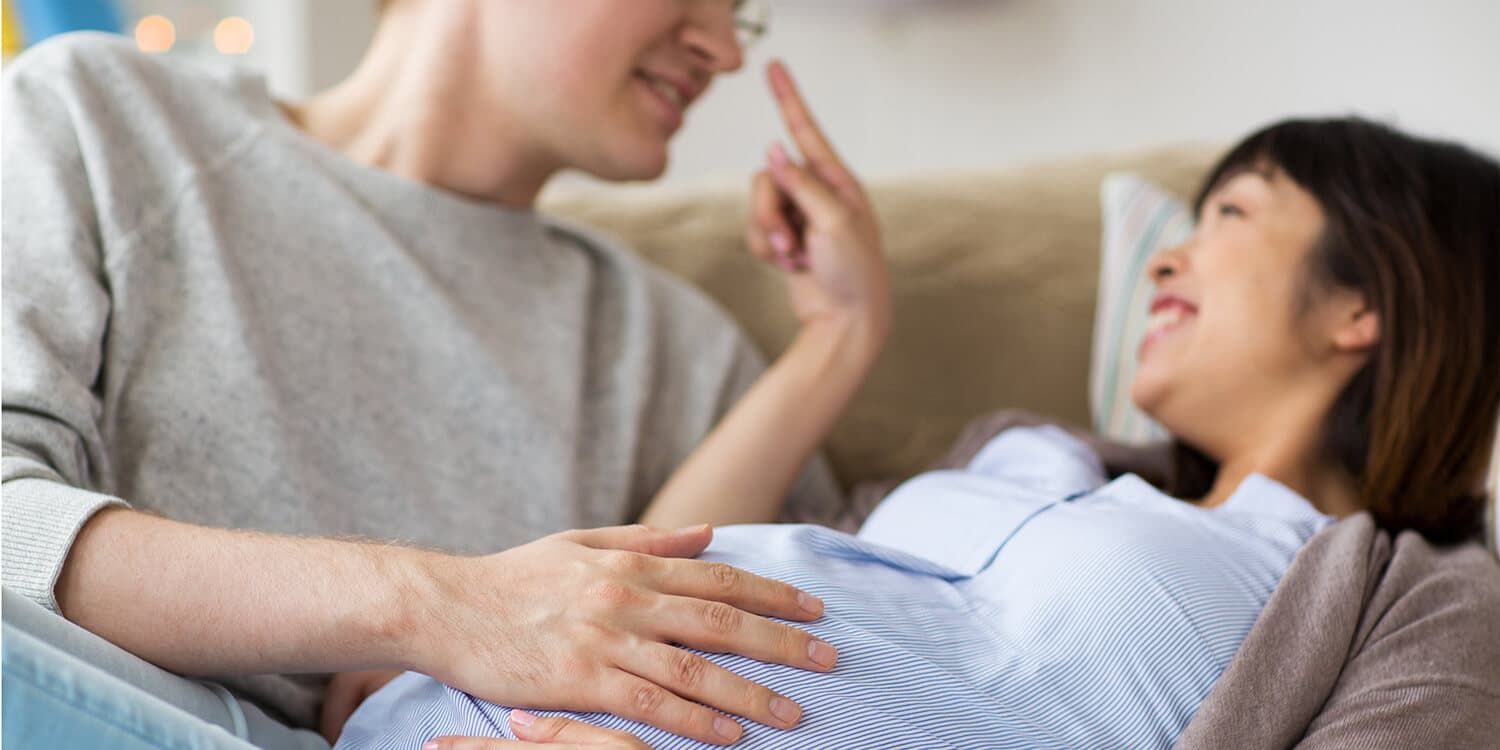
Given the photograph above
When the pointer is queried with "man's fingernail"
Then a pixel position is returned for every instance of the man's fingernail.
(726, 729)
(821, 653)
(784, 709)
(431, 745)
(691, 529)
(522, 718)
(809, 603)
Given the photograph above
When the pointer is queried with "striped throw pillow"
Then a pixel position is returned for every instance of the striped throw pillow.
(1139, 219)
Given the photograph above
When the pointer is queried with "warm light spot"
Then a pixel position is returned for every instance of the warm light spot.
(234, 36)
(155, 34)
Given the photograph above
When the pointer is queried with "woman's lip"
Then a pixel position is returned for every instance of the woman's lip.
(670, 114)
(1162, 301)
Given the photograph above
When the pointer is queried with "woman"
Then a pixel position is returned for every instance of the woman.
(242, 335)
(1318, 349)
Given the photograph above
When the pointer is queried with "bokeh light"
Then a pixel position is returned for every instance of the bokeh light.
(155, 34)
(234, 36)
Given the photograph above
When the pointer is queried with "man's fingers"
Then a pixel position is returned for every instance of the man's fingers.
(721, 582)
(721, 628)
(809, 137)
(696, 678)
(631, 697)
(549, 730)
(686, 542)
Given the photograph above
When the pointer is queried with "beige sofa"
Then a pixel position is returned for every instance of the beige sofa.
(994, 275)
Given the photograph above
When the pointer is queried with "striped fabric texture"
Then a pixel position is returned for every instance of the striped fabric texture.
(1020, 603)
(1139, 219)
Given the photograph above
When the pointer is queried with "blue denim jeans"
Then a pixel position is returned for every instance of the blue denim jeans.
(67, 688)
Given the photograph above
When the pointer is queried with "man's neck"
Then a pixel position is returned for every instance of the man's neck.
(410, 109)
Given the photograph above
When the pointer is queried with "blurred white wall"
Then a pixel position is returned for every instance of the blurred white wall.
(919, 85)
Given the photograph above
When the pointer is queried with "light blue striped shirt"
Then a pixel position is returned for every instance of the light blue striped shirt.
(1021, 602)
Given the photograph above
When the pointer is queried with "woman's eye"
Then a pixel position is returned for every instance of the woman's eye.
(1229, 209)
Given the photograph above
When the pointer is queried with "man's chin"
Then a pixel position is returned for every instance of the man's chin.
(638, 167)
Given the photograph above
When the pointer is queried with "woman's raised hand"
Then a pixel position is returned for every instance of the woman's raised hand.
(815, 222)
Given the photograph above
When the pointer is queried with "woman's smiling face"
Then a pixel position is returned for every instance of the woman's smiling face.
(1236, 322)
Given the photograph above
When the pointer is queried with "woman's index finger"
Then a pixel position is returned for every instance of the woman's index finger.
(810, 139)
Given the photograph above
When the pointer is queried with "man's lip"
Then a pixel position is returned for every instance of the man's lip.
(685, 89)
(673, 114)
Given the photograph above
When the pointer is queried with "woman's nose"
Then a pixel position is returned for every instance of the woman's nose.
(1167, 263)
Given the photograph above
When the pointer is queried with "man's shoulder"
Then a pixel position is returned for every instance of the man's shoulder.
(105, 82)
(76, 55)
(89, 60)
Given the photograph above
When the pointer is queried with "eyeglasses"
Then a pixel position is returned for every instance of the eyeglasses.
(752, 19)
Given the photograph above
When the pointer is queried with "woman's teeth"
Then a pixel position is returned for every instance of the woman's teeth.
(1165, 318)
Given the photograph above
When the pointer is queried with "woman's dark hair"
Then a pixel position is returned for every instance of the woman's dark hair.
(1413, 224)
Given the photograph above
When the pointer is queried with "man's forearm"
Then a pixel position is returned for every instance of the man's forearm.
(207, 601)
(743, 471)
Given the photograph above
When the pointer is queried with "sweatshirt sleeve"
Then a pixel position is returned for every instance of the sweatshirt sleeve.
(56, 306)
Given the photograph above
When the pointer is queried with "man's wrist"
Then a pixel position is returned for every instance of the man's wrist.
(415, 588)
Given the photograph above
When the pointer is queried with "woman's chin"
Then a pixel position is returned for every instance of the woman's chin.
(1147, 394)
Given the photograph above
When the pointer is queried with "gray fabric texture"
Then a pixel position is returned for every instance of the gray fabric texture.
(210, 316)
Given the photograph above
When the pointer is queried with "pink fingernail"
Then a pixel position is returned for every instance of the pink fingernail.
(778, 155)
(522, 718)
(781, 242)
(431, 745)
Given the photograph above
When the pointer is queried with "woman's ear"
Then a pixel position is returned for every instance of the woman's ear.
(1358, 330)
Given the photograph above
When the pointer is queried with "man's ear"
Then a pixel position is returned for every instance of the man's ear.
(1358, 330)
